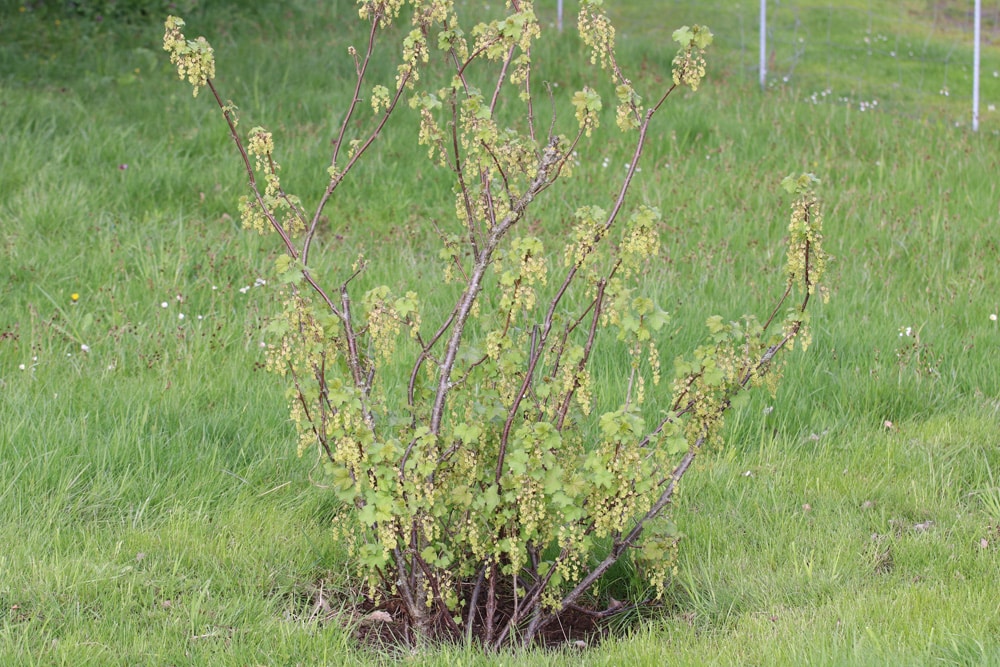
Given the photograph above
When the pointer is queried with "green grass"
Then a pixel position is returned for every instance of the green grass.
(911, 56)
(154, 511)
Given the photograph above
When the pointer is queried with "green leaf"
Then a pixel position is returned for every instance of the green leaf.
(587, 100)
(383, 506)
(676, 444)
(697, 36)
(461, 496)
(712, 374)
(653, 551)
(562, 500)
(739, 399)
(683, 35)
(629, 325)
(609, 424)
(800, 184)
(367, 514)
(643, 305)
(483, 113)
(468, 433)
(445, 39)
(404, 306)
(343, 485)
(554, 480)
(603, 478)
(702, 36)
(491, 498)
(292, 273)
(657, 319)
(278, 327)
(384, 452)
(517, 461)
(371, 555)
(547, 436)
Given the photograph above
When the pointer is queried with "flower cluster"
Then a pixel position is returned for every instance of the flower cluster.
(382, 11)
(597, 33)
(195, 60)
(517, 283)
(641, 240)
(806, 260)
(261, 211)
(689, 63)
(588, 104)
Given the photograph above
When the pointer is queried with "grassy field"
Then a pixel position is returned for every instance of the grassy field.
(152, 509)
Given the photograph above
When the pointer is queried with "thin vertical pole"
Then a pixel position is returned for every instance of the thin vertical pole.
(559, 14)
(763, 43)
(977, 23)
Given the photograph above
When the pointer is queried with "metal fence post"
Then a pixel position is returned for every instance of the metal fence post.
(977, 23)
(763, 44)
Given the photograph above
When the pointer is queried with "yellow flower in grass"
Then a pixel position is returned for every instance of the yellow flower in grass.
(74, 297)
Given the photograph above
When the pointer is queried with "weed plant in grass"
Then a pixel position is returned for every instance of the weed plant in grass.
(153, 511)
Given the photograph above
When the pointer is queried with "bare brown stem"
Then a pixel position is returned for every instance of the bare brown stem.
(501, 78)
(338, 177)
(564, 408)
(471, 293)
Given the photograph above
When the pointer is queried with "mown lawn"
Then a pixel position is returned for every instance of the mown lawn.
(154, 511)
